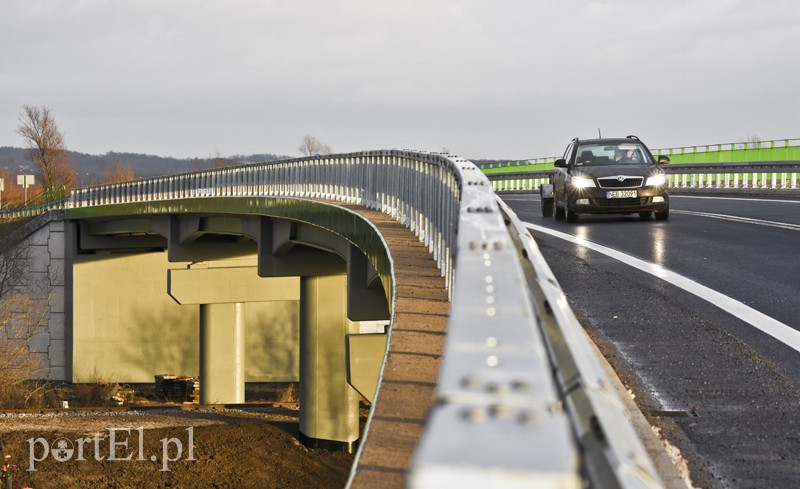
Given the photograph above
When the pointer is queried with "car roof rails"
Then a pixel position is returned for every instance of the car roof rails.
(631, 136)
(575, 140)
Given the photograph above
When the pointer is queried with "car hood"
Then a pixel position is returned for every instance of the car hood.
(600, 171)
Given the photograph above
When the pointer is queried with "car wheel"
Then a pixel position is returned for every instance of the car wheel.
(662, 216)
(547, 207)
(569, 215)
(645, 215)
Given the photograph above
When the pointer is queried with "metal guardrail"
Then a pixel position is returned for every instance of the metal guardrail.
(522, 400)
(500, 419)
(32, 210)
(743, 151)
(53, 198)
(757, 175)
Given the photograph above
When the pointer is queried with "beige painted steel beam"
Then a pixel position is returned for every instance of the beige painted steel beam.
(228, 285)
(365, 353)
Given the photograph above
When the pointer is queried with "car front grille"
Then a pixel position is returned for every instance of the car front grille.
(615, 182)
(640, 201)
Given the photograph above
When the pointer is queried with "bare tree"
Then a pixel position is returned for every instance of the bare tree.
(219, 161)
(117, 171)
(12, 268)
(46, 148)
(21, 318)
(750, 142)
(312, 146)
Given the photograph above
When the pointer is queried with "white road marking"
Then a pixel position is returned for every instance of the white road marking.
(748, 220)
(781, 332)
(785, 201)
(712, 215)
(673, 196)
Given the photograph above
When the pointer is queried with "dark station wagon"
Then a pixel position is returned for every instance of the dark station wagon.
(606, 176)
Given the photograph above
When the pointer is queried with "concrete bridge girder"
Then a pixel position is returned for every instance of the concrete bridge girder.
(273, 237)
(120, 234)
(181, 236)
(337, 218)
(203, 238)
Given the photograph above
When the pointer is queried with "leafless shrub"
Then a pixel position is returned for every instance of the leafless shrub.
(96, 394)
(21, 384)
(289, 393)
(311, 146)
(22, 323)
(750, 142)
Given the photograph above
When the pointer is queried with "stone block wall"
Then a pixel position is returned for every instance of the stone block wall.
(39, 250)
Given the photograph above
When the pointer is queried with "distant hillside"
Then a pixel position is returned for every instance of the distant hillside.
(89, 168)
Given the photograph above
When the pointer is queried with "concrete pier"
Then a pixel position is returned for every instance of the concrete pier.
(328, 404)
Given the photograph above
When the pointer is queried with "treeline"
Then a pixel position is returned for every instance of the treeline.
(90, 168)
(112, 166)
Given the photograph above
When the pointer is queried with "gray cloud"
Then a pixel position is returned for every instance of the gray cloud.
(510, 79)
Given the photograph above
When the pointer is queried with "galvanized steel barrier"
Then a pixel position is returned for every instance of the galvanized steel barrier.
(758, 175)
(773, 175)
(741, 152)
(522, 399)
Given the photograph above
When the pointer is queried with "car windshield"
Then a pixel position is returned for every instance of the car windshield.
(627, 153)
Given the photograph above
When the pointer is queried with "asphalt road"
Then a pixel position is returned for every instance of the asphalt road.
(708, 339)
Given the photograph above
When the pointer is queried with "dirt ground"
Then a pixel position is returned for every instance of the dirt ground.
(214, 448)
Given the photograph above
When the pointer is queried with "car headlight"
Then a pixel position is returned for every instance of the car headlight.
(657, 180)
(582, 182)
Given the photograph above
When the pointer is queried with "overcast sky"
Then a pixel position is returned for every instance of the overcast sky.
(484, 79)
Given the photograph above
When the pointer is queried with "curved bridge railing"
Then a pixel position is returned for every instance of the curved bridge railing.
(522, 398)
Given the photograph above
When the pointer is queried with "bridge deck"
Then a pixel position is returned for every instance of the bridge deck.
(412, 367)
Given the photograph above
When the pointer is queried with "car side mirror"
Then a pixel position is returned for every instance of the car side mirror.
(561, 163)
(662, 160)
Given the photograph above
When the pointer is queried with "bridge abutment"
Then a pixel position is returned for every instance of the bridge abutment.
(32, 295)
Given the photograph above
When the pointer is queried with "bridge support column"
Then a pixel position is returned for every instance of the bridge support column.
(328, 404)
(222, 353)
(222, 293)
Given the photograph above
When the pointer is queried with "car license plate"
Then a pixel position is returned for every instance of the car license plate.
(621, 194)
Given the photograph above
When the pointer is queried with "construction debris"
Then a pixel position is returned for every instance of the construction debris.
(174, 388)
